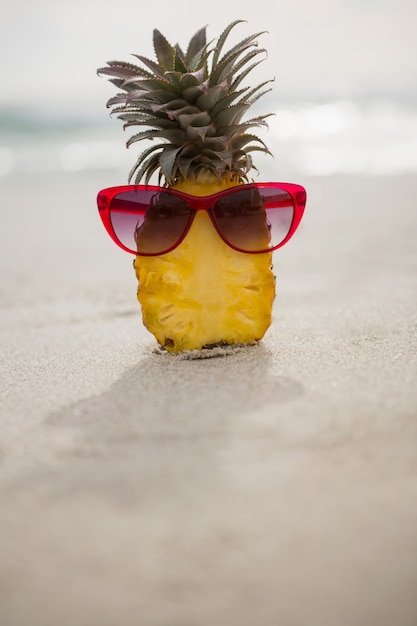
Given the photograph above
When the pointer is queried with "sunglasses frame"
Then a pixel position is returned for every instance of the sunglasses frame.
(202, 203)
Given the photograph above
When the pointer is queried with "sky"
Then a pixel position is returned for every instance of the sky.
(318, 49)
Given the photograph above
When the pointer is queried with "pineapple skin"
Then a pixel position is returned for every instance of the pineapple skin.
(203, 292)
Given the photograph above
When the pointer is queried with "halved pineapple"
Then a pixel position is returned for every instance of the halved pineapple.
(203, 292)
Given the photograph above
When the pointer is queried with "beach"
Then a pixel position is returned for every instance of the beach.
(273, 485)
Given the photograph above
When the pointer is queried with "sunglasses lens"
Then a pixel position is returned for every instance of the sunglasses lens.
(148, 221)
(255, 219)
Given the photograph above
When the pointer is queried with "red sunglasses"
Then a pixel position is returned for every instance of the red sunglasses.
(254, 218)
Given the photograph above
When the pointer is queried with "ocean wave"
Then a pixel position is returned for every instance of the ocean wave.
(339, 137)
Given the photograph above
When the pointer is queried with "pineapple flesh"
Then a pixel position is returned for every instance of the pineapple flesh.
(192, 104)
(203, 292)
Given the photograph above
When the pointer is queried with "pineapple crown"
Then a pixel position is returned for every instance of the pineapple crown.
(193, 105)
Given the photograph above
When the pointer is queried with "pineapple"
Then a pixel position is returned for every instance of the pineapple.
(203, 293)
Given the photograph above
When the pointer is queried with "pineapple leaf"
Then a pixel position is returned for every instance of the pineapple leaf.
(150, 84)
(254, 148)
(154, 67)
(179, 65)
(218, 155)
(151, 167)
(147, 169)
(148, 121)
(120, 84)
(221, 41)
(120, 69)
(226, 118)
(254, 94)
(194, 134)
(239, 48)
(230, 69)
(129, 113)
(242, 140)
(120, 98)
(240, 77)
(180, 53)
(210, 97)
(138, 137)
(196, 45)
(174, 78)
(175, 109)
(200, 61)
(143, 157)
(197, 113)
(201, 119)
(226, 101)
(192, 79)
(227, 68)
(165, 53)
(192, 94)
(184, 165)
(147, 99)
(197, 57)
(167, 161)
(237, 129)
(259, 120)
(173, 136)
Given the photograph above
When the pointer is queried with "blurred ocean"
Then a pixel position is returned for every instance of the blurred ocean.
(377, 138)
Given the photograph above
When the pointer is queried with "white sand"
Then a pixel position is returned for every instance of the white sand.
(273, 486)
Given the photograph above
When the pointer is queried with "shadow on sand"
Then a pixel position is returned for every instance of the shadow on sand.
(165, 421)
(164, 396)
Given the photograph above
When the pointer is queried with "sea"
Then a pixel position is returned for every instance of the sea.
(376, 137)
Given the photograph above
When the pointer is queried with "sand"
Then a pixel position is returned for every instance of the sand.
(275, 485)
